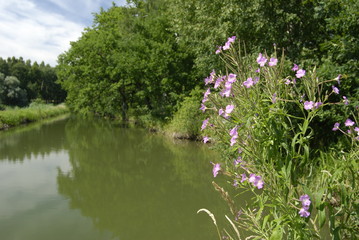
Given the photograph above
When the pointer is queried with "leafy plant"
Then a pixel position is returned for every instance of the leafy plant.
(262, 110)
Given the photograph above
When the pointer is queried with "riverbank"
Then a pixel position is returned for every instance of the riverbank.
(18, 116)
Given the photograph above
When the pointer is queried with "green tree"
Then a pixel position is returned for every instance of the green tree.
(11, 92)
(128, 62)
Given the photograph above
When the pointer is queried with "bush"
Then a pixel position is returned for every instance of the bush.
(186, 121)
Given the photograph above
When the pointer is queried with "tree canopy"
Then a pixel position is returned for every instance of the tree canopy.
(21, 82)
(143, 58)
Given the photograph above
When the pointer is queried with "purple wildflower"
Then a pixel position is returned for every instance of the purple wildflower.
(218, 82)
(300, 73)
(226, 46)
(205, 139)
(244, 177)
(226, 92)
(219, 49)
(216, 169)
(335, 90)
(258, 182)
(345, 100)
(295, 67)
(233, 140)
(336, 126)
(204, 124)
(237, 161)
(261, 60)
(304, 213)
(252, 178)
(230, 40)
(220, 112)
(205, 96)
(308, 105)
(349, 122)
(232, 78)
(258, 70)
(305, 201)
(233, 131)
(229, 109)
(248, 83)
(317, 104)
(273, 62)
(203, 107)
(210, 79)
(338, 78)
(287, 82)
(356, 129)
(207, 92)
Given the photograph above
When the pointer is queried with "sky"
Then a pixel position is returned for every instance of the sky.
(40, 30)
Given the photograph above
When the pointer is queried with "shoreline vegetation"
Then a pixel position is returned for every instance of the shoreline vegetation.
(35, 112)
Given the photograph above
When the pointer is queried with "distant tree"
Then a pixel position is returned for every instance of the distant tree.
(12, 93)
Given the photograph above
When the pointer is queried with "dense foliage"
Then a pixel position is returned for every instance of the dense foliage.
(21, 82)
(127, 62)
(140, 60)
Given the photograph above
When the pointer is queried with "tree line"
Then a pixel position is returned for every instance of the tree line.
(144, 58)
(21, 82)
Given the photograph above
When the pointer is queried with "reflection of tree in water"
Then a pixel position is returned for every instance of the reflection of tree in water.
(129, 182)
(38, 139)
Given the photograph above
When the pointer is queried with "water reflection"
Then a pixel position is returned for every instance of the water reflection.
(138, 185)
(109, 182)
(36, 139)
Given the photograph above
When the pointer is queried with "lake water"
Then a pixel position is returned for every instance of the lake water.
(80, 179)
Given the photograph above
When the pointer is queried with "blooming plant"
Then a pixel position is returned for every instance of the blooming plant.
(261, 110)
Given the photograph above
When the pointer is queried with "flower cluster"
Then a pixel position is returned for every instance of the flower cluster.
(227, 45)
(308, 105)
(256, 180)
(304, 210)
(262, 60)
(352, 129)
(226, 92)
(299, 72)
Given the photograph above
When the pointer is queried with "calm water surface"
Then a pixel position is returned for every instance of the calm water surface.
(81, 179)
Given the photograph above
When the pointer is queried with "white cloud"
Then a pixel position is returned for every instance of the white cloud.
(41, 30)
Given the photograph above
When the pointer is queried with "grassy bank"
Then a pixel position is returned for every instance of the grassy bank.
(185, 122)
(35, 112)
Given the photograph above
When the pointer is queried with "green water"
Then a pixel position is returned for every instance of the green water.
(81, 179)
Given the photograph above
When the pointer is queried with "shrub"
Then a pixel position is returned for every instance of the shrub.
(186, 121)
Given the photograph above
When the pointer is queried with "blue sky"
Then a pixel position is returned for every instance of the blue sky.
(40, 30)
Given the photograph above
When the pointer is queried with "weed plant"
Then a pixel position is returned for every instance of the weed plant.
(262, 111)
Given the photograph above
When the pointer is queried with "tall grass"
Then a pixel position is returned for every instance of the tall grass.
(16, 116)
